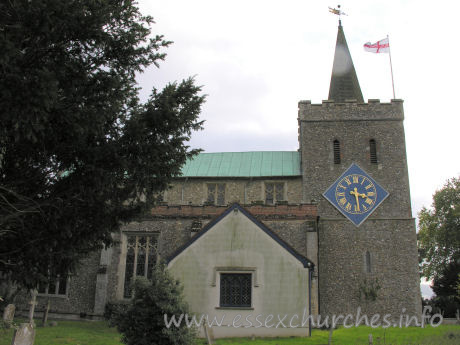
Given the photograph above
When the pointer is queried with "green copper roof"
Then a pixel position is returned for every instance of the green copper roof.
(344, 81)
(243, 164)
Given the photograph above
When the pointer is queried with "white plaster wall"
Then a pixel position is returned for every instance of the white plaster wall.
(279, 286)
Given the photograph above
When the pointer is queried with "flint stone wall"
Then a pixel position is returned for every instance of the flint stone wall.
(388, 234)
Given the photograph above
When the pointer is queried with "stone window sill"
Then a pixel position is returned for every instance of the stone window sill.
(235, 308)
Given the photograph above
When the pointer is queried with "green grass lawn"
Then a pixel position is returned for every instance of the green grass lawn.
(98, 333)
(71, 333)
(442, 335)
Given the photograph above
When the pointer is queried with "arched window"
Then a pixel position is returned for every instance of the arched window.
(368, 262)
(373, 151)
(336, 148)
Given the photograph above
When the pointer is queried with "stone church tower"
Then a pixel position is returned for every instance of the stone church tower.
(381, 254)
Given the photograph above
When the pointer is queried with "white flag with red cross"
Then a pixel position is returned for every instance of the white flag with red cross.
(382, 46)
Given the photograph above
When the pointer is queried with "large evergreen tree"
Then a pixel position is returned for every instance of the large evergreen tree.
(79, 152)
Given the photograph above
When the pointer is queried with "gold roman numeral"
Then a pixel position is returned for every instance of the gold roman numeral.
(369, 201)
(342, 201)
(368, 186)
(341, 194)
(348, 207)
(355, 178)
(347, 180)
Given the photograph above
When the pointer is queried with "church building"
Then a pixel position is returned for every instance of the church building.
(323, 230)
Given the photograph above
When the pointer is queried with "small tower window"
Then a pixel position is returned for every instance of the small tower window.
(368, 262)
(373, 151)
(336, 148)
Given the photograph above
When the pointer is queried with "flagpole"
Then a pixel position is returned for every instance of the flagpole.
(391, 68)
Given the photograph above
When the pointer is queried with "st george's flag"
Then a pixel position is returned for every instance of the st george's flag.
(382, 46)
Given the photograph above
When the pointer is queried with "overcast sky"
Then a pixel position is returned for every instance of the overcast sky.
(257, 59)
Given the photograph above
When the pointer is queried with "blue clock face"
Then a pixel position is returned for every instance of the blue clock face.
(355, 194)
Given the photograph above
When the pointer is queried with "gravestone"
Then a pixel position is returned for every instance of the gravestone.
(8, 314)
(25, 335)
(32, 303)
(45, 313)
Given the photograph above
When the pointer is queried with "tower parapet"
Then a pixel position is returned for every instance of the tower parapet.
(351, 110)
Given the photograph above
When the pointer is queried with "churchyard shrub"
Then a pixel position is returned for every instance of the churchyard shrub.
(142, 320)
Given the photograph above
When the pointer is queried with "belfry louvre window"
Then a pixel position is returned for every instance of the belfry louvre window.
(56, 286)
(216, 193)
(235, 289)
(141, 256)
(274, 192)
(336, 149)
(373, 151)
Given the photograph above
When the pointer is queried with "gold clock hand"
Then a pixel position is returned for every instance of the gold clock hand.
(356, 194)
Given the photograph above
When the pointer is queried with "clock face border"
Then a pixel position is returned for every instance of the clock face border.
(356, 219)
(370, 185)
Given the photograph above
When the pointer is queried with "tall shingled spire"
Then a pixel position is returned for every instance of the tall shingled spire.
(344, 82)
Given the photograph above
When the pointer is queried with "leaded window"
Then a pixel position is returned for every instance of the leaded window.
(235, 289)
(141, 256)
(274, 192)
(56, 286)
(216, 193)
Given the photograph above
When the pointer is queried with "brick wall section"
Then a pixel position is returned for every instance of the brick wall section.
(302, 211)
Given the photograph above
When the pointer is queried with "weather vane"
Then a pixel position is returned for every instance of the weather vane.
(338, 12)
